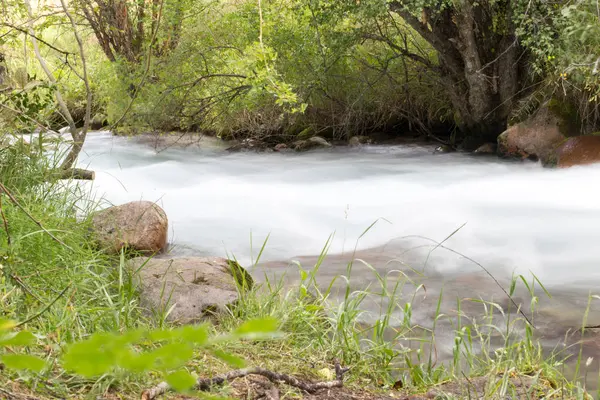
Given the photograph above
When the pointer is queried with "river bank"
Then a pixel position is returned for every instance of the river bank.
(225, 204)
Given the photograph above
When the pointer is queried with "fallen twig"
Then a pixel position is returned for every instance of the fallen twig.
(16, 396)
(205, 384)
(16, 203)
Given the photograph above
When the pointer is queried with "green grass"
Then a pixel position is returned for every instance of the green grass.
(68, 291)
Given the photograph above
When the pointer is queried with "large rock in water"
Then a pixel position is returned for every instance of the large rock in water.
(140, 225)
(191, 287)
(578, 150)
(536, 138)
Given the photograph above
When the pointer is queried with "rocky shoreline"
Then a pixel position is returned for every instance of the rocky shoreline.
(546, 136)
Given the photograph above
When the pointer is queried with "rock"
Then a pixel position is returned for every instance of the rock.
(359, 140)
(99, 121)
(312, 143)
(444, 149)
(280, 147)
(487, 148)
(140, 225)
(536, 138)
(194, 287)
(578, 150)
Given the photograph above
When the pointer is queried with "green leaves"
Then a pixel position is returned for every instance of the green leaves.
(257, 327)
(163, 350)
(23, 338)
(18, 339)
(181, 380)
(23, 362)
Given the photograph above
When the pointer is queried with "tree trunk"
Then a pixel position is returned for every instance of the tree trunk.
(3, 71)
(478, 63)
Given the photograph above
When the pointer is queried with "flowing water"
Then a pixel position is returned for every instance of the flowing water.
(513, 217)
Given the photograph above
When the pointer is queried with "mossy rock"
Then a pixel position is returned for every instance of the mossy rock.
(306, 133)
(567, 116)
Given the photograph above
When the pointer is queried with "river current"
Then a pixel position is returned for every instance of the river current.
(511, 218)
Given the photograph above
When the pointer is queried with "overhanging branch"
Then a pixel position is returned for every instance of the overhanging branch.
(401, 51)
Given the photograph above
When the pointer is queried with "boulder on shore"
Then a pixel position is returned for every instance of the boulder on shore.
(536, 138)
(192, 288)
(140, 225)
(578, 150)
(312, 143)
(487, 148)
(359, 140)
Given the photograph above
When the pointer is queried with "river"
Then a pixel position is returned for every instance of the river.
(509, 217)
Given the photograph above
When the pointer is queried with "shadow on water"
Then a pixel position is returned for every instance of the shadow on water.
(558, 315)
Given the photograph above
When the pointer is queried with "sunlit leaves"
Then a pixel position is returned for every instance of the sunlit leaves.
(181, 380)
(23, 362)
(166, 351)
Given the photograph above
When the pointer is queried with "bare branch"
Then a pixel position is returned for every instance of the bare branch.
(206, 384)
(401, 51)
(36, 49)
(39, 39)
(78, 137)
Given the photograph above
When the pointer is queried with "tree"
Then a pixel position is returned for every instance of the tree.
(123, 27)
(78, 135)
(480, 60)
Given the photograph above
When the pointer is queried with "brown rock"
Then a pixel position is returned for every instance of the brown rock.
(312, 143)
(359, 140)
(280, 147)
(191, 287)
(578, 150)
(139, 225)
(487, 148)
(535, 138)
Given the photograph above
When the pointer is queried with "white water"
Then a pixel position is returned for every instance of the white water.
(518, 216)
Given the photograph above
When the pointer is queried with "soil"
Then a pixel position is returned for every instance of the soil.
(254, 387)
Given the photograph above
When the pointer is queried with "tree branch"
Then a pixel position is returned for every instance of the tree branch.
(78, 137)
(205, 384)
(402, 51)
(36, 49)
(37, 38)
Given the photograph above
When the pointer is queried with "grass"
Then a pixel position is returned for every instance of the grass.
(68, 291)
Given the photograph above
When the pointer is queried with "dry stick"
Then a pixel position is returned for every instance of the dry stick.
(205, 384)
(45, 308)
(16, 203)
(17, 396)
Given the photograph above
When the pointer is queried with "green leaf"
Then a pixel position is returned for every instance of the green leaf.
(6, 324)
(257, 326)
(22, 338)
(172, 356)
(91, 357)
(230, 359)
(23, 361)
(181, 380)
(194, 334)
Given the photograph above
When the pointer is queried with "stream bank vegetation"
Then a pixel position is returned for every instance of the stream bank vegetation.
(72, 325)
(456, 71)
